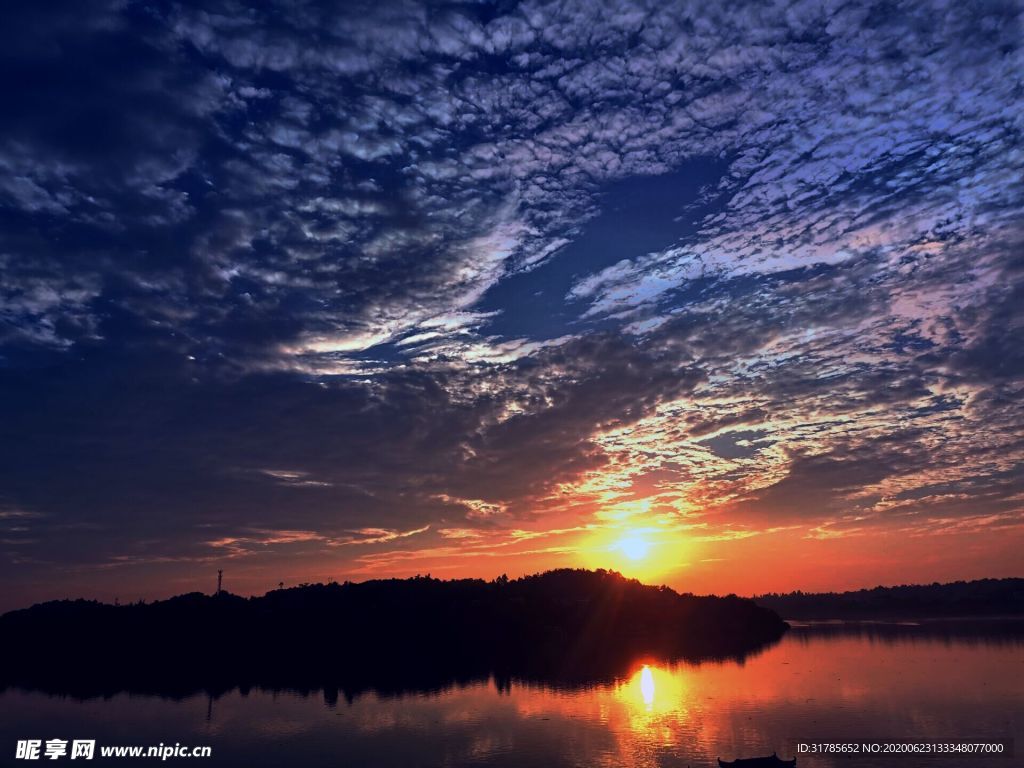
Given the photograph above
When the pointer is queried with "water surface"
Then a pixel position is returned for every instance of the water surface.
(832, 682)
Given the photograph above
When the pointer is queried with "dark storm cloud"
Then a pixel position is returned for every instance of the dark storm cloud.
(323, 276)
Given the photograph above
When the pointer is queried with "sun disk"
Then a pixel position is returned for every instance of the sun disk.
(633, 547)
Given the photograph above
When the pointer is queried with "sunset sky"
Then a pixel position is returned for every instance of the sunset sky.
(728, 300)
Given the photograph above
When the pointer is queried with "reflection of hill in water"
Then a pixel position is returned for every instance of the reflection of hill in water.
(999, 632)
(379, 676)
(563, 628)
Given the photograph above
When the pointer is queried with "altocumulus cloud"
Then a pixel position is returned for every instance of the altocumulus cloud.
(273, 277)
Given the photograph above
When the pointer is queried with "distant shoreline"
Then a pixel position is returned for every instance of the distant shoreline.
(908, 621)
(982, 598)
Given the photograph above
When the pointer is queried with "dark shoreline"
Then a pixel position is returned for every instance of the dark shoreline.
(978, 599)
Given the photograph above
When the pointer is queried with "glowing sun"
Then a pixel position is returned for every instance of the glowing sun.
(633, 546)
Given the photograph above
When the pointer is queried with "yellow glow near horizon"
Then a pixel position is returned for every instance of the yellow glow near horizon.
(648, 552)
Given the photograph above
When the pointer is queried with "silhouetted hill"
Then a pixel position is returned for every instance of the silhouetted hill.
(986, 597)
(560, 627)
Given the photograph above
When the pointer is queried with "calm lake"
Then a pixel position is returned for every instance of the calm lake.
(833, 682)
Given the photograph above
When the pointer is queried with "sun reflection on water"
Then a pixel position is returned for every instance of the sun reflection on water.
(647, 687)
(654, 708)
(654, 689)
